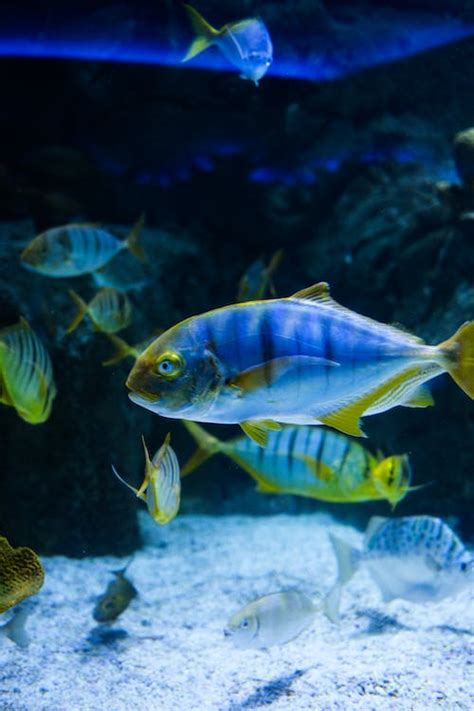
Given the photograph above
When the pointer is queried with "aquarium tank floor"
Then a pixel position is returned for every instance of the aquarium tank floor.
(167, 651)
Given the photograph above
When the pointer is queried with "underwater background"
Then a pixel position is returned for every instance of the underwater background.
(353, 160)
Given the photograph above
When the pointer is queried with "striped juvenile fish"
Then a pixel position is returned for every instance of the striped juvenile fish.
(26, 373)
(310, 461)
(110, 310)
(415, 558)
(75, 249)
(299, 360)
(161, 486)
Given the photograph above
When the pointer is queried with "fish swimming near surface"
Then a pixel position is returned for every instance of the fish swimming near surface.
(115, 600)
(272, 619)
(161, 486)
(110, 310)
(415, 558)
(21, 574)
(298, 360)
(246, 44)
(257, 279)
(26, 373)
(310, 461)
(75, 249)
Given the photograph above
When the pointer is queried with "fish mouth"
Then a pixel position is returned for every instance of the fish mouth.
(144, 401)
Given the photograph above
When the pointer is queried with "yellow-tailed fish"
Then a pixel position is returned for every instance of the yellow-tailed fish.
(415, 558)
(161, 486)
(310, 461)
(272, 619)
(246, 44)
(257, 280)
(116, 598)
(300, 360)
(110, 310)
(21, 574)
(75, 249)
(124, 350)
(26, 374)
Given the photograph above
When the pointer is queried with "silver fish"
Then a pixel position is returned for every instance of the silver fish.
(415, 558)
(246, 44)
(272, 619)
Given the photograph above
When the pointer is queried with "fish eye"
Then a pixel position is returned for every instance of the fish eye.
(169, 365)
(245, 623)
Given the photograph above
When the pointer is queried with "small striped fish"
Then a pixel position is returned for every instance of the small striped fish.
(302, 360)
(110, 310)
(26, 373)
(416, 558)
(310, 461)
(161, 486)
(75, 249)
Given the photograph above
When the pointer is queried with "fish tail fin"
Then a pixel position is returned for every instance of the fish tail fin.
(347, 559)
(133, 240)
(122, 350)
(81, 311)
(458, 355)
(208, 445)
(15, 628)
(332, 602)
(206, 34)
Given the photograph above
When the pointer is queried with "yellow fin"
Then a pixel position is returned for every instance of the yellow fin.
(264, 488)
(82, 309)
(206, 34)
(122, 350)
(132, 242)
(422, 397)
(345, 420)
(459, 354)
(321, 471)
(265, 374)
(207, 446)
(316, 292)
(256, 431)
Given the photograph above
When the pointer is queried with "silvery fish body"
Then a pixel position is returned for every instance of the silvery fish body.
(247, 45)
(71, 250)
(272, 619)
(298, 360)
(417, 558)
(26, 373)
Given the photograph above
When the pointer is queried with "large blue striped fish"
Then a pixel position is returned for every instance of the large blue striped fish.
(300, 360)
(75, 249)
(310, 461)
(26, 373)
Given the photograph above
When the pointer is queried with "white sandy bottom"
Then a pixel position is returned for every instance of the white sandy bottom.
(167, 650)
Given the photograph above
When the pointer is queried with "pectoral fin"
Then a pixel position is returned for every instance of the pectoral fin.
(321, 471)
(266, 374)
(258, 431)
(422, 397)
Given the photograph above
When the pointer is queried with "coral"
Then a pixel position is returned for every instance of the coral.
(21, 574)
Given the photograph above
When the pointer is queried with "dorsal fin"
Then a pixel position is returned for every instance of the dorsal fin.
(373, 526)
(316, 292)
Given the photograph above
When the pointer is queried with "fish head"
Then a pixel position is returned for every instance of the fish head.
(48, 252)
(248, 45)
(255, 65)
(242, 628)
(178, 375)
(35, 253)
(391, 477)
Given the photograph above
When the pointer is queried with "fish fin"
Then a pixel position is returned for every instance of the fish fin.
(207, 446)
(320, 470)
(132, 488)
(81, 311)
(332, 602)
(149, 467)
(122, 350)
(348, 559)
(257, 432)
(433, 564)
(133, 240)
(458, 352)
(267, 373)
(264, 488)
(373, 526)
(345, 420)
(206, 34)
(422, 397)
(15, 628)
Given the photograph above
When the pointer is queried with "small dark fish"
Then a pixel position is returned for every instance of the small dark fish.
(117, 597)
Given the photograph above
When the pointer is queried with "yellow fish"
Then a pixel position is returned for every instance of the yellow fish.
(310, 461)
(110, 310)
(26, 373)
(161, 486)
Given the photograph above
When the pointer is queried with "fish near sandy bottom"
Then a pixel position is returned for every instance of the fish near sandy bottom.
(116, 598)
(110, 310)
(21, 574)
(309, 461)
(76, 249)
(298, 360)
(26, 373)
(246, 44)
(414, 558)
(161, 486)
(271, 620)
